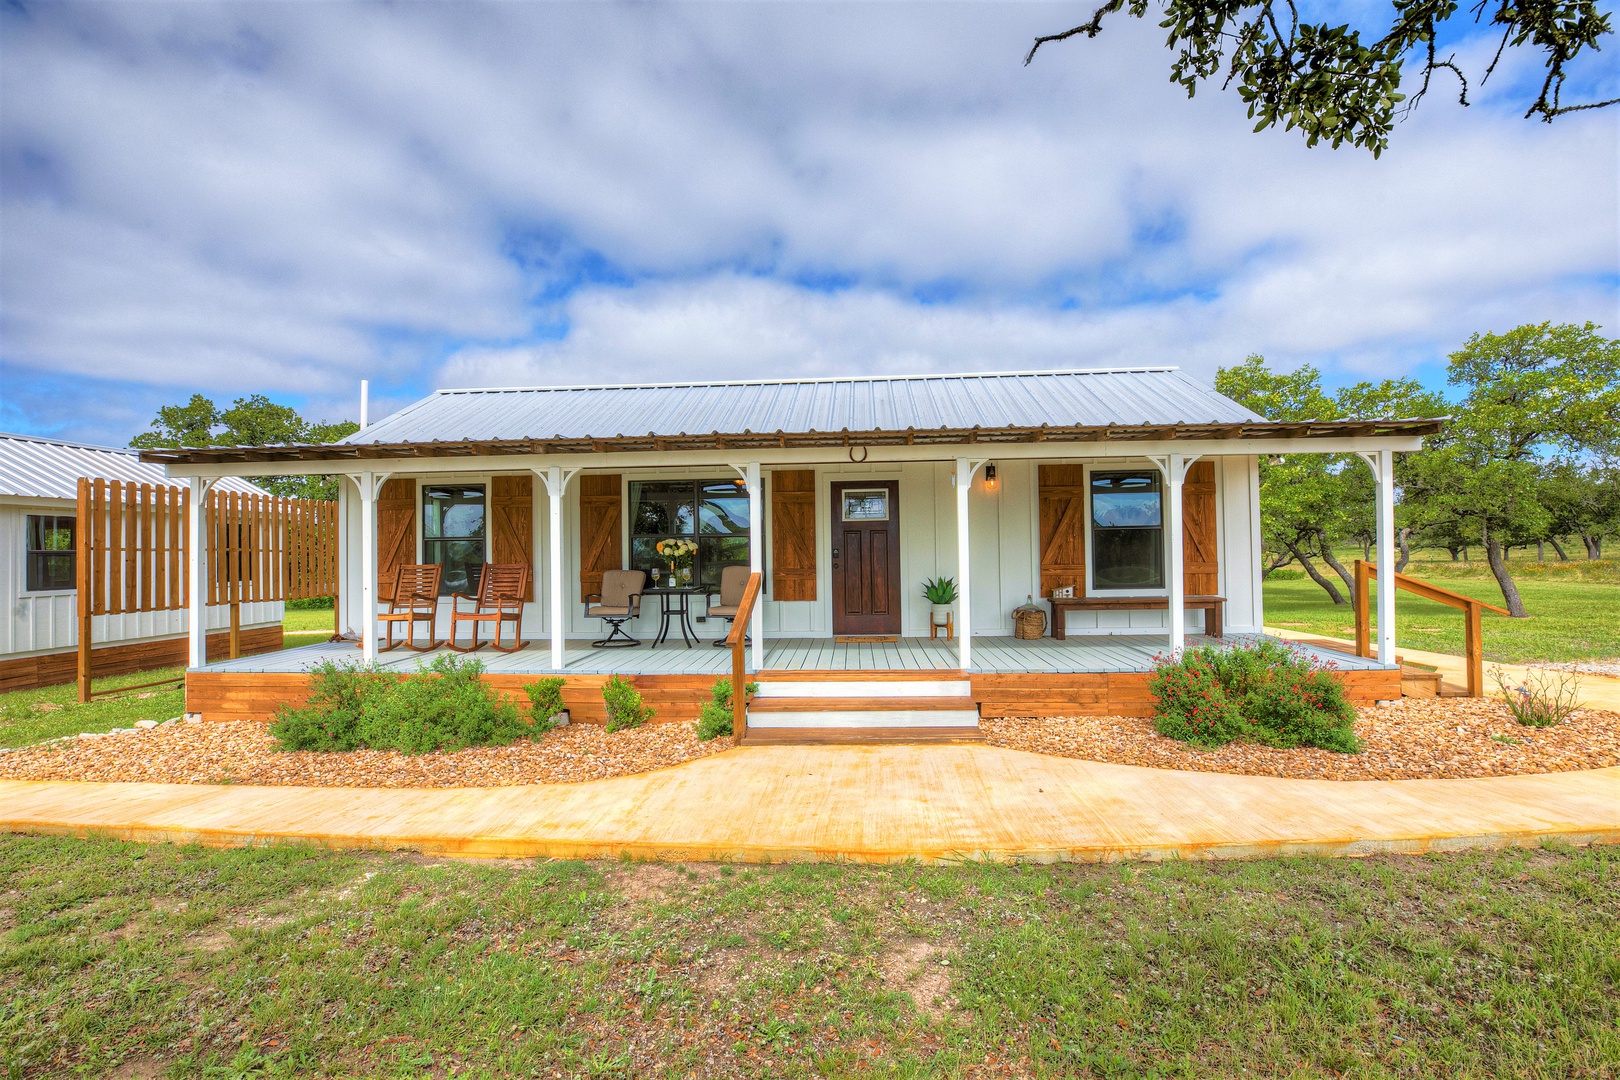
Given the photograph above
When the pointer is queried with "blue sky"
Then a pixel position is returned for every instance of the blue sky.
(288, 198)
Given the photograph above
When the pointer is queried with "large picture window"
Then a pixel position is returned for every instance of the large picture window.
(712, 512)
(52, 561)
(453, 535)
(1127, 531)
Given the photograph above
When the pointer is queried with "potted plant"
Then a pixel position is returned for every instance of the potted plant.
(941, 593)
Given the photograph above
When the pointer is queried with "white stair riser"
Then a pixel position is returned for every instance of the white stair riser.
(875, 718)
(898, 688)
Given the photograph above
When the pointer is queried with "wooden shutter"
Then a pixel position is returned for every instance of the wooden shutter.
(1063, 528)
(511, 524)
(396, 532)
(1200, 567)
(793, 535)
(601, 517)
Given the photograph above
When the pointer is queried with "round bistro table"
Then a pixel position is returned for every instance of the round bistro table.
(676, 604)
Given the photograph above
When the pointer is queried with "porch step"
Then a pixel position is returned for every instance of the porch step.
(841, 703)
(863, 718)
(765, 736)
(866, 690)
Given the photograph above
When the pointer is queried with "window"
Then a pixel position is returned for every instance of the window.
(52, 562)
(1127, 531)
(712, 512)
(453, 535)
(872, 505)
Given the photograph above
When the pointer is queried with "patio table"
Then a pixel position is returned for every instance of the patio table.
(676, 604)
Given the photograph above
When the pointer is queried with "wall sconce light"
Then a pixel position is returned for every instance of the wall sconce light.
(990, 477)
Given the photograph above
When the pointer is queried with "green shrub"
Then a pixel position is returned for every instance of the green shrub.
(310, 603)
(1267, 693)
(545, 702)
(445, 706)
(714, 718)
(624, 705)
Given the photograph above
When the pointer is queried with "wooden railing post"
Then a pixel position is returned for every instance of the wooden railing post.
(1474, 651)
(739, 666)
(1359, 610)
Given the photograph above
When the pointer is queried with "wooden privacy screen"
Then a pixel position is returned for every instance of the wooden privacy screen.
(601, 518)
(793, 534)
(264, 548)
(511, 524)
(132, 547)
(1063, 529)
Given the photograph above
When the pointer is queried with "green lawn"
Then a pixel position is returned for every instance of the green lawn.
(181, 961)
(1574, 612)
(305, 627)
(29, 716)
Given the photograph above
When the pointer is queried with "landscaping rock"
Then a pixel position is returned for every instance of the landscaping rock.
(146, 725)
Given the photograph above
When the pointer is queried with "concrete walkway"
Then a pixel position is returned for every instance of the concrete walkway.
(857, 803)
(1596, 691)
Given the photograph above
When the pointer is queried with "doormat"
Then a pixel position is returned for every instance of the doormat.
(864, 639)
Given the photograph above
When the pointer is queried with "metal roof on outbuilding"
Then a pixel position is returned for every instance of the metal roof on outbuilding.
(1059, 399)
(31, 467)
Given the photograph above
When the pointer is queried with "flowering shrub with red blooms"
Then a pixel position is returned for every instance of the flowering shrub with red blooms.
(1190, 703)
(1276, 695)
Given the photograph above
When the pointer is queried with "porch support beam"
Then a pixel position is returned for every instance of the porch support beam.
(1382, 463)
(1053, 450)
(1174, 468)
(963, 480)
(197, 585)
(556, 480)
(756, 558)
(369, 483)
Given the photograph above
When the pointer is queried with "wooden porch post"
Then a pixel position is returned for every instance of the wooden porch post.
(197, 536)
(756, 557)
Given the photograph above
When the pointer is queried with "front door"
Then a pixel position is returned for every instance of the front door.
(866, 558)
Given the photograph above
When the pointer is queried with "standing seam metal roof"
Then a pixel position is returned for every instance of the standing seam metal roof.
(32, 467)
(1080, 398)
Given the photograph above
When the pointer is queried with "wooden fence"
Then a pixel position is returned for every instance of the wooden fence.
(132, 553)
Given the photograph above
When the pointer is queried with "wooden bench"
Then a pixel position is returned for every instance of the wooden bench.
(1210, 605)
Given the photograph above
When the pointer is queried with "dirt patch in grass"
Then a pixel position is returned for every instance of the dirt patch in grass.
(243, 752)
(1420, 738)
(921, 970)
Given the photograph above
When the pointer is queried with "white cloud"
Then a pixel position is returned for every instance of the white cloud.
(286, 198)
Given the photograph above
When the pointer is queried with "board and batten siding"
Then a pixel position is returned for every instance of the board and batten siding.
(1005, 549)
(44, 622)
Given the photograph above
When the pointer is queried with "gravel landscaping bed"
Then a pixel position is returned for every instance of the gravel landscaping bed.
(1420, 738)
(242, 752)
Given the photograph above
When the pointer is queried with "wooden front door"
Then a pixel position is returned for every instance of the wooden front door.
(866, 558)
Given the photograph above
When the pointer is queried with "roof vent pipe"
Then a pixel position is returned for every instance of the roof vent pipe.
(365, 402)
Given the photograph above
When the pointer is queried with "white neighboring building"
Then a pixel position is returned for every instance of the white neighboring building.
(39, 629)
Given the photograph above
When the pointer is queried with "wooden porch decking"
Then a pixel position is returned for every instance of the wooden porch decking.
(991, 655)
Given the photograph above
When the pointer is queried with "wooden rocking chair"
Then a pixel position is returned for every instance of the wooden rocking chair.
(500, 600)
(415, 599)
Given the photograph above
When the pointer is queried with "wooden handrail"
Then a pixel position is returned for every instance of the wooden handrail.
(1473, 644)
(739, 672)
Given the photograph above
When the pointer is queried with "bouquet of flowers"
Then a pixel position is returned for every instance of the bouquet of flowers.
(676, 552)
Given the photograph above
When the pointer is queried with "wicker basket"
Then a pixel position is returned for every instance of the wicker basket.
(1029, 622)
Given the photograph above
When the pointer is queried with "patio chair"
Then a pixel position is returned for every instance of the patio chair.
(501, 589)
(733, 581)
(617, 603)
(415, 599)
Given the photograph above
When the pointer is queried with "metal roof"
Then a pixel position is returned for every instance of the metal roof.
(1078, 405)
(32, 467)
(1160, 395)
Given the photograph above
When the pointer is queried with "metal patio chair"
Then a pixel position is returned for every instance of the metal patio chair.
(733, 580)
(617, 603)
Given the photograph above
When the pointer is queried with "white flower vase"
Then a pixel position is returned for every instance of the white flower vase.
(940, 613)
